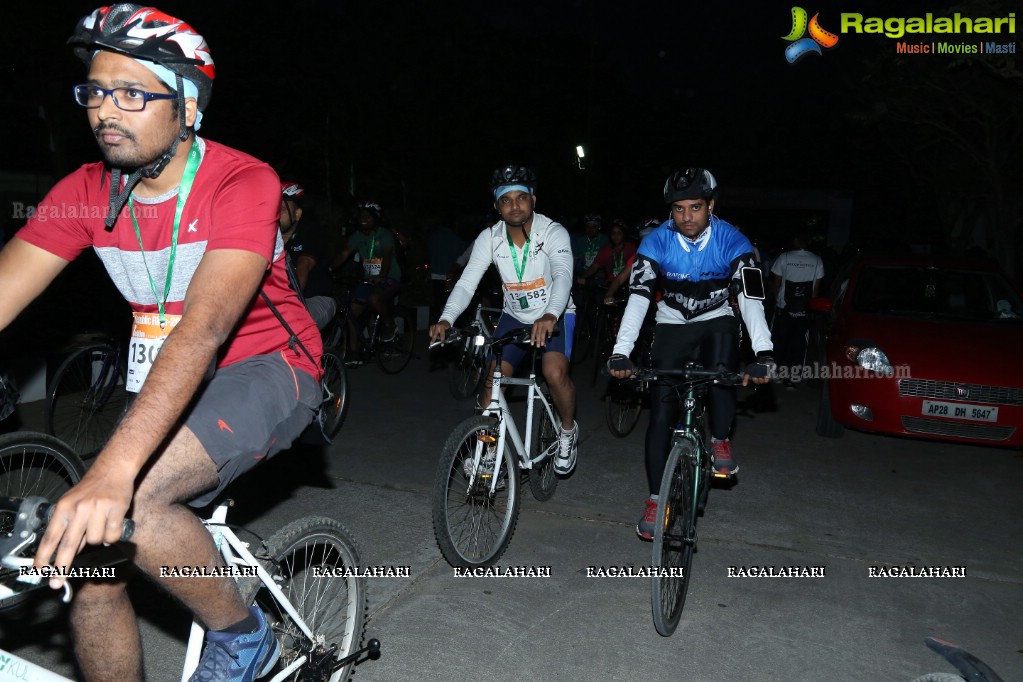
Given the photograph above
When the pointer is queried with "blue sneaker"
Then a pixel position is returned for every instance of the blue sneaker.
(230, 657)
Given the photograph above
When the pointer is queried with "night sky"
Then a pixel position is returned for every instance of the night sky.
(413, 104)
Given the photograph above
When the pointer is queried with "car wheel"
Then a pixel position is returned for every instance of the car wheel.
(826, 424)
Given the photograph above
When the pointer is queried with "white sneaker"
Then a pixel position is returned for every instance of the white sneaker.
(564, 461)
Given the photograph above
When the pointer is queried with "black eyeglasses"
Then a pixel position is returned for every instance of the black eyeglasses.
(126, 99)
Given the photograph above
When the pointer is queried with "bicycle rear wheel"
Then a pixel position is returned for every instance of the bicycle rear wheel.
(542, 479)
(393, 355)
(335, 392)
(87, 397)
(622, 407)
(308, 559)
(674, 539)
(32, 464)
(473, 525)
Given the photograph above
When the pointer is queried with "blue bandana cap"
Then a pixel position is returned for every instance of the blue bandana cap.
(169, 78)
(504, 189)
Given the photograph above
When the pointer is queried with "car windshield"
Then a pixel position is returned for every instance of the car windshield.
(932, 292)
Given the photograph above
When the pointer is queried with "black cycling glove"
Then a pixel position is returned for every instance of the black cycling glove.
(763, 367)
(619, 362)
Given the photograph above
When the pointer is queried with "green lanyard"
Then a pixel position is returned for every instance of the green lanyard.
(515, 258)
(591, 250)
(618, 262)
(183, 190)
(372, 246)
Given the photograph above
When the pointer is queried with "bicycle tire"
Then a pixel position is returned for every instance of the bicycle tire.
(582, 339)
(33, 464)
(466, 373)
(393, 355)
(491, 518)
(939, 677)
(601, 346)
(542, 479)
(335, 392)
(622, 408)
(334, 607)
(674, 539)
(87, 397)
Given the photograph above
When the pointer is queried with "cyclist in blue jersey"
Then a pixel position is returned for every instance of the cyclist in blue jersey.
(694, 258)
(533, 256)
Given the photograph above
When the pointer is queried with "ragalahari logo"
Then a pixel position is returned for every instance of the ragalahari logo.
(801, 46)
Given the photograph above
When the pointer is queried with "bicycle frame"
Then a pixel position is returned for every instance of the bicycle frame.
(507, 428)
(692, 409)
(235, 553)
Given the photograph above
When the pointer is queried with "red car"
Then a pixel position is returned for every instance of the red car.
(926, 347)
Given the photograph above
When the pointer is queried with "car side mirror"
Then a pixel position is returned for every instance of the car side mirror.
(753, 283)
(821, 304)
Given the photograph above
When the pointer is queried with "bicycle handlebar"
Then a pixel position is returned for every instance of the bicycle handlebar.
(722, 377)
(514, 336)
(31, 516)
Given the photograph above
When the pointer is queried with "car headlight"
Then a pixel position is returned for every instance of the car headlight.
(870, 358)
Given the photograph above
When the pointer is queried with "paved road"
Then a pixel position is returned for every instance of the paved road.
(846, 505)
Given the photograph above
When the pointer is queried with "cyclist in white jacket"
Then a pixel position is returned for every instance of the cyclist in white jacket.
(533, 255)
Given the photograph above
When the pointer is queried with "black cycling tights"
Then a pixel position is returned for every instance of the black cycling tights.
(711, 343)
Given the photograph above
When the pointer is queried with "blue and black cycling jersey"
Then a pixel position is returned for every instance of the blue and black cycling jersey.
(694, 275)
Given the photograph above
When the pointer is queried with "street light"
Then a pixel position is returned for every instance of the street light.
(580, 154)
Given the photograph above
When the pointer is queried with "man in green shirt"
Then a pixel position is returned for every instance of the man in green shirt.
(374, 245)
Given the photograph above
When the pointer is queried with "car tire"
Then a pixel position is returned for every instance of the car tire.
(826, 424)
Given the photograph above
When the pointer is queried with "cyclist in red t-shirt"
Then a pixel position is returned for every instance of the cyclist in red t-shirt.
(219, 387)
(612, 258)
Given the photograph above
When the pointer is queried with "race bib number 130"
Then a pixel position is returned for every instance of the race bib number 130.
(146, 340)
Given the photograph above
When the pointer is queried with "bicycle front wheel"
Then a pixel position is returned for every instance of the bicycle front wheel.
(309, 558)
(335, 392)
(622, 407)
(86, 398)
(582, 340)
(33, 464)
(393, 355)
(474, 525)
(674, 539)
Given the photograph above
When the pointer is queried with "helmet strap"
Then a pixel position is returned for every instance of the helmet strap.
(118, 197)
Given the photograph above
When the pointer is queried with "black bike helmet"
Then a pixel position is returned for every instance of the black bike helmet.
(513, 174)
(690, 183)
(372, 207)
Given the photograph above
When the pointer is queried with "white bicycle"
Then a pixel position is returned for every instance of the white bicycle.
(316, 607)
(476, 490)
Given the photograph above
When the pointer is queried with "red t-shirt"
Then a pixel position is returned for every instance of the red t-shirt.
(234, 203)
(612, 261)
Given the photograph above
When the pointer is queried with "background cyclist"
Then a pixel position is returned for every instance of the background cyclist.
(693, 257)
(375, 246)
(533, 256)
(307, 255)
(612, 258)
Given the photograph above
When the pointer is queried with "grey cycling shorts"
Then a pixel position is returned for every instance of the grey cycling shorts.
(250, 411)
